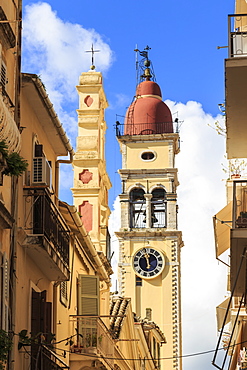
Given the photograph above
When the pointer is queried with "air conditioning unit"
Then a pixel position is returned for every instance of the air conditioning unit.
(41, 171)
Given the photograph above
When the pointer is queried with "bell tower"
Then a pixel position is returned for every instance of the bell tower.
(91, 181)
(149, 263)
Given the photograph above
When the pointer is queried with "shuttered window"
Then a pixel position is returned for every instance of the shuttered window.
(3, 76)
(41, 321)
(64, 293)
(88, 295)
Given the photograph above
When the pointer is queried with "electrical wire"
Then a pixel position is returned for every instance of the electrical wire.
(150, 359)
(137, 359)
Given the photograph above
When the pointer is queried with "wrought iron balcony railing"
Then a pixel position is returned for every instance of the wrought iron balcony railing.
(239, 208)
(43, 218)
(90, 335)
(47, 360)
(237, 35)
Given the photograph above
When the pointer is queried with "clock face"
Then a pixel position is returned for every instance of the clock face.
(148, 263)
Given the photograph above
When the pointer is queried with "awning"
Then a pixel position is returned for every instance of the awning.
(222, 225)
(221, 313)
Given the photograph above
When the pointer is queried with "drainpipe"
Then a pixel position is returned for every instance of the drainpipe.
(49, 106)
(18, 63)
(14, 189)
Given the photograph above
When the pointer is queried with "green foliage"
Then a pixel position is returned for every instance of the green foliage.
(4, 148)
(24, 339)
(5, 346)
(16, 165)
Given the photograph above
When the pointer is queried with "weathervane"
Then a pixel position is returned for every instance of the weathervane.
(92, 51)
(145, 65)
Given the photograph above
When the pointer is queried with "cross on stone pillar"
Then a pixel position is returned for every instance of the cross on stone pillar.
(93, 52)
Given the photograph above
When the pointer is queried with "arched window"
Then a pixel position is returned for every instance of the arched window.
(137, 208)
(158, 208)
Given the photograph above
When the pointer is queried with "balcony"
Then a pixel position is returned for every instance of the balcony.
(90, 336)
(8, 128)
(238, 238)
(230, 227)
(47, 360)
(47, 235)
(235, 86)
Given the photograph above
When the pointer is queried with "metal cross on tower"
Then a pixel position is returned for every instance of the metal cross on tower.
(92, 51)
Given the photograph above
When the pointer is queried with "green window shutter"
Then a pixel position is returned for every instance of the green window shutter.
(88, 295)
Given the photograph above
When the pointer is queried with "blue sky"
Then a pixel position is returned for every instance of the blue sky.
(183, 36)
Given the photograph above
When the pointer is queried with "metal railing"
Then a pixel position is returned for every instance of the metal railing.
(43, 218)
(239, 209)
(237, 35)
(143, 128)
(47, 360)
(90, 335)
(229, 347)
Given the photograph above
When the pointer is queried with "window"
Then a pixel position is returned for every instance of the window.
(138, 281)
(41, 319)
(3, 77)
(64, 293)
(88, 295)
(148, 156)
(137, 208)
(158, 208)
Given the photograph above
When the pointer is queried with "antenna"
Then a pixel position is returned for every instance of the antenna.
(136, 51)
(144, 68)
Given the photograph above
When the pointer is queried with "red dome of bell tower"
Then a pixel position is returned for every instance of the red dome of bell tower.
(148, 114)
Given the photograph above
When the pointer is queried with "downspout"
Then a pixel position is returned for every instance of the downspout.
(14, 188)
(61, 132)
(18, 63)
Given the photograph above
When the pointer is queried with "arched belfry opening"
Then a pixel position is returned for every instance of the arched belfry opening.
(147, 210)
(158, 208)
(137, 208)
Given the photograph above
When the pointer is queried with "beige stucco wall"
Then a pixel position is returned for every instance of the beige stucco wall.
(135, 150)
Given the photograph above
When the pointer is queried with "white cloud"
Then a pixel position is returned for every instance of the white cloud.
(200, 195)
(55, 50)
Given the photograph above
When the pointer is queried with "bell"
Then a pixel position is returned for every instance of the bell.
(154, 219)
